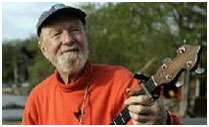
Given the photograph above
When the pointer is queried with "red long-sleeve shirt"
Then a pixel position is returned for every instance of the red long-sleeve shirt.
(52, 102)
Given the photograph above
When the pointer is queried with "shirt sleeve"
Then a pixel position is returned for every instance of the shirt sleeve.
(174, 120)
(30, 113)
(127, 81)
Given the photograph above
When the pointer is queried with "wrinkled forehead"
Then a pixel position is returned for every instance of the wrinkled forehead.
(61, 23)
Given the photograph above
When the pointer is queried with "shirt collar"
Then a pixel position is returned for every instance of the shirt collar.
(80, 83)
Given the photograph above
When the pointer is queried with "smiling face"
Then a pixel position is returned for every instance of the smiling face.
(63, 42)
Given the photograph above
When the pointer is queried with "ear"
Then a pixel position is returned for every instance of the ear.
(42, 48)
(85, 29)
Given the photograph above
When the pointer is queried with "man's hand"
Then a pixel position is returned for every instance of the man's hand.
(144, 111)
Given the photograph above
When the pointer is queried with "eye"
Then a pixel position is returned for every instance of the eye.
(76, 30)
(56, 35)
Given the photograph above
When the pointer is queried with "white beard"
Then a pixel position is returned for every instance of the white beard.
(70, 62)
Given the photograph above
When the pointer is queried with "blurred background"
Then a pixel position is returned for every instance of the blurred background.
(138, 36)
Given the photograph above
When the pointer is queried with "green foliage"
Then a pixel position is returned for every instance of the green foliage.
(25, 54)
(130, 34)
(8, 61)
(126, 34)
(40, 70)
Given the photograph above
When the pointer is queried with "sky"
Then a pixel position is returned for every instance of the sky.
(19, 19)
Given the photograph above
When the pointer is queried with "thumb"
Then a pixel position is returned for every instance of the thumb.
(131, 92)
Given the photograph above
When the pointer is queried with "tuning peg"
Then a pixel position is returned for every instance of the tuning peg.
(167, 59)
(179, 83)
(199, 70)
(181, 50)
(184, 41)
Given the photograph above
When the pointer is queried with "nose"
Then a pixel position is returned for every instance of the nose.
(67, 38)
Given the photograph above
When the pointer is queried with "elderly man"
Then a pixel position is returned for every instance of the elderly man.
(80, 92)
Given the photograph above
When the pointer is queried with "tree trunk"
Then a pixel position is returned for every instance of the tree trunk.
(185, 94)
(15, 74)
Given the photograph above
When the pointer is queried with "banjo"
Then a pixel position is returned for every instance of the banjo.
(186, 59)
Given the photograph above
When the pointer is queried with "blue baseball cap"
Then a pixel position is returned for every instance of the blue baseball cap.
(59, 9)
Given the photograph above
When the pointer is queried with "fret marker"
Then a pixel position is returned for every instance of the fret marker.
(122, 118)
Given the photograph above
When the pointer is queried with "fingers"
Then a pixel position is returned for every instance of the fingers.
(139, 109)
(144, 119)
(140, 118)
(131, 92)
(138, 123)
(142, 100)
(144, 111)
(141, 114)
(148, 114)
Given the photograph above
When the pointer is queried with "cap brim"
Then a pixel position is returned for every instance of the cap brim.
(64, 11)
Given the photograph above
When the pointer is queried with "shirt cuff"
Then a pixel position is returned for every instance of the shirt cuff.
(173, 119)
